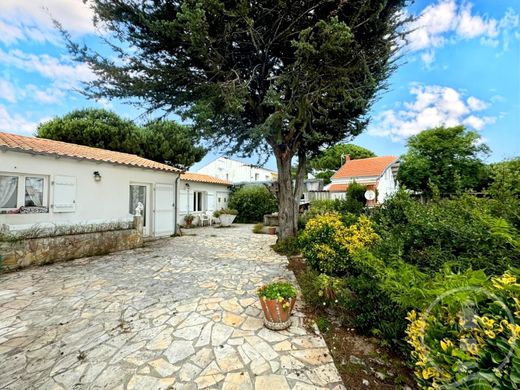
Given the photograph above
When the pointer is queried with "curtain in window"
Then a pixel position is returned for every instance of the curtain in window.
(33, 191)
(8, 191)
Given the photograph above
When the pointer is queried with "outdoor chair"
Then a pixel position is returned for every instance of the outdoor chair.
(204, 217)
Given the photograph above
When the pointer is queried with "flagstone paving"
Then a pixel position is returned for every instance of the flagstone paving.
(180, 313)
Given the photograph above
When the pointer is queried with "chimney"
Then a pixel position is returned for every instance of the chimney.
(347, 157)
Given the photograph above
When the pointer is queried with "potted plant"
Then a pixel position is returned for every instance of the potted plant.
(277, 300)
(226, 216)
(188, 218)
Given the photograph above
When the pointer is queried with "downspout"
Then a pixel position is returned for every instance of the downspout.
(176, 213)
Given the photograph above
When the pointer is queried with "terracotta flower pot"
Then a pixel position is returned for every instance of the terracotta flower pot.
(271, 230)
(277, 314)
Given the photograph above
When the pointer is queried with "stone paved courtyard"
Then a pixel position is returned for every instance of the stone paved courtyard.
(180, 313)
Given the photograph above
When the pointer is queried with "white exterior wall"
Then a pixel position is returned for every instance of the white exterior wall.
(215, 197)
(236, 171)
(386, 185)
(95, 201)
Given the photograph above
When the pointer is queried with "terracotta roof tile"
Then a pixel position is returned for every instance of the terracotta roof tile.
(57, 148)
(337, 188)
(198, 177)
(373, 166)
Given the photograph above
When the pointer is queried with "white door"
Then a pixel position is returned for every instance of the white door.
(222, 199)
(164, 210)
(141, 193)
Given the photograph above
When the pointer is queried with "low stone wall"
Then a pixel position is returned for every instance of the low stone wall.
(45, 250)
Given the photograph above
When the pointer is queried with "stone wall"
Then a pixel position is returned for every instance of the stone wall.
(45, 250)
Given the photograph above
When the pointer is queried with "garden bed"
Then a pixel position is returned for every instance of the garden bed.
(361, 361)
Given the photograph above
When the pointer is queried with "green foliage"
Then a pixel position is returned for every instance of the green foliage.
(323, 324)
(328, 244)
(171, 143)
(472, 342)
(163, 141)
(445, 158)
(461, 231)
(327, 162)
(277, 290)
(288, 246)
(98, 128)
(229, 211)
(504, 190)
(258, 228)
(252, 203)
(355, 202)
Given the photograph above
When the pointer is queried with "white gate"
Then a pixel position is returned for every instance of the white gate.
(164, 210)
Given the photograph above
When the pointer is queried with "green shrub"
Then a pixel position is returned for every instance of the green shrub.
(355, 202)
(288, 247)
(470, 341)
(327, 242)
(252, 203)
(461, 231)
(258, 228)
(228, 211)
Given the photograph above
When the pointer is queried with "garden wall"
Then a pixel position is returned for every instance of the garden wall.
(19, 251)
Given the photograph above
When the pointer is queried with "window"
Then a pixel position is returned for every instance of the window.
(22, 191)
(198, 201)
(8, 192)
(257, 176)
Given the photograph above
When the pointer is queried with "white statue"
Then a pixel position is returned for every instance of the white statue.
(139, 209)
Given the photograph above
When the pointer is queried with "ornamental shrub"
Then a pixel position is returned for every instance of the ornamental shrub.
(327, 243)
(252, 203)
(470, 340)
(463, 232)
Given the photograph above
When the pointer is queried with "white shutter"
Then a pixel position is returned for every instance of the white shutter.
(211, 202)
(183, 202)
(164, 210)
(64, 194)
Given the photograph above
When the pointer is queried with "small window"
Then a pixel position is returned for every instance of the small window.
(33, 191)
(198, 201)
(8, 192)
(257, 176)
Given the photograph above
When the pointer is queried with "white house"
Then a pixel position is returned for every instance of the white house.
(201, 194)
(44, 181)
(236, 171)
(377, 173)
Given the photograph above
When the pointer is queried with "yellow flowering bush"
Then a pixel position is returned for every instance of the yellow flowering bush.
(328, 244)
(475, 345)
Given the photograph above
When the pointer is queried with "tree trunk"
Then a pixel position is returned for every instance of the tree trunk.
(289, 194)
(285, 196)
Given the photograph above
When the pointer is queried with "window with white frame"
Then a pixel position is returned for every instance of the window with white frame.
(198, 201)
(22, 191)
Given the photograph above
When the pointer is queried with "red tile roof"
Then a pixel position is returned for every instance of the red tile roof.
(373, 166)
(198, 177)
(58, 148)
(337, 188)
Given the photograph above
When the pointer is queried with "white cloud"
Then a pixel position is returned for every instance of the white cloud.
(7, 91)
(432, 106)
(62, 71)
(475, 104)
(447, 21)
(32, 20)
(15, 123)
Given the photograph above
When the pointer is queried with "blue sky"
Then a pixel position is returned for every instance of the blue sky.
(461, 65)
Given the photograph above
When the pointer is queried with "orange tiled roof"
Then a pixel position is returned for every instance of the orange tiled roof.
(373, 166)
(337, 188)
(190, 176)
(58, 148)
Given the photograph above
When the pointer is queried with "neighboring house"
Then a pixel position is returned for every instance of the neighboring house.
(201, 194)
(377, 173)
(44, 181)
(236, 171)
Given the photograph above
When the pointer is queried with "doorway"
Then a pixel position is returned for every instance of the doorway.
(141, 193)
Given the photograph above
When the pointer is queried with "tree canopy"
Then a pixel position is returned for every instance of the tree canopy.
(327, 162)
(161, 140)
(271, 75)
(446, 158)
